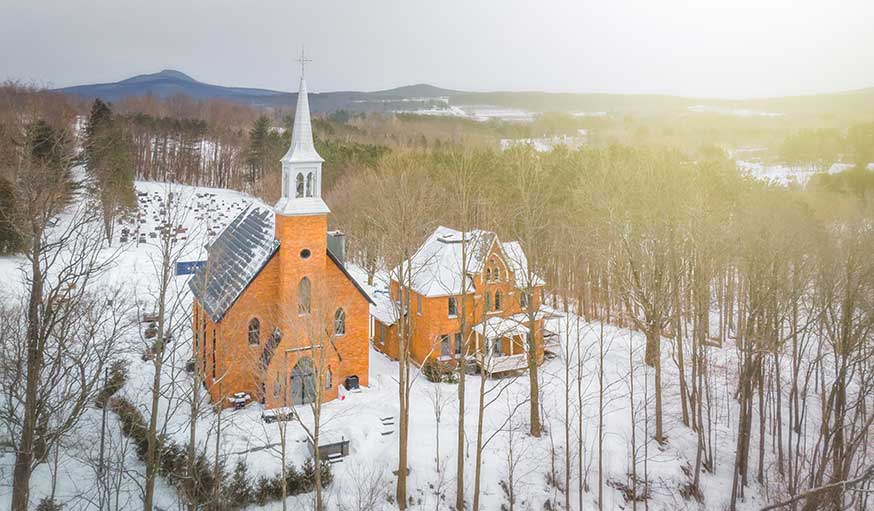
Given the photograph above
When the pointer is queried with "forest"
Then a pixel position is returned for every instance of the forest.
(650, 227)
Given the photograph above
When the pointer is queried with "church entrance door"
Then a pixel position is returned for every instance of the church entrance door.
(302, 384)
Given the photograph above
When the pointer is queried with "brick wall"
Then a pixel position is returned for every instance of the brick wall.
(272, 297)
(434, 320)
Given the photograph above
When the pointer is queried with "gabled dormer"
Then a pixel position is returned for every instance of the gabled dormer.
(495, 269)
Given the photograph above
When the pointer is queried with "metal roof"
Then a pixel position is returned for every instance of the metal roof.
(234, 259)
(237, 256)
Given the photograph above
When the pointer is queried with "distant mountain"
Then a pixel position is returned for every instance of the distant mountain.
(168, 83)
(420, 90)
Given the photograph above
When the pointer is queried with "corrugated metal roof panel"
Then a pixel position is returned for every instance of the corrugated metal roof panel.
(234, 258)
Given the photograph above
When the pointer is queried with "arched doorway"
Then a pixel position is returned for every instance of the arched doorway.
(302, 383)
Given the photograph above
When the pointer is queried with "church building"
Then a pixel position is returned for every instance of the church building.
(276, 314)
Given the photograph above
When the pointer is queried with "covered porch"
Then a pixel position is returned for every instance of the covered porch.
(501, 344)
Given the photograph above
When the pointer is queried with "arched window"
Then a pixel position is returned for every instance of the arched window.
(488, 304)
(303, 296)
(523, 299)
(254, 331)
(340, 322)
(328, 377)
(488, 274)
(497, 300)
(310, 184)
(298, 185)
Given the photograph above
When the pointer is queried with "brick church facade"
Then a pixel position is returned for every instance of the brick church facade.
(276, 314)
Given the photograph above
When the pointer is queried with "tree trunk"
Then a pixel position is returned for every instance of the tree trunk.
(152, 454)
(653, 338)
(533, 381)
(24, 453)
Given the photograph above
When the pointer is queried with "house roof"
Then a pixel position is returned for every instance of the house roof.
(518, 263)
(236, 257)
(436, 266)
(383, 308)
(503, 327)
(497, 326)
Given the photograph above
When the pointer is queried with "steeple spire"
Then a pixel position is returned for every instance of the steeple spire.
(302, 165)
(302, 148)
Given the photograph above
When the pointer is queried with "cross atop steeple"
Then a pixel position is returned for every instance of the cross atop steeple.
(303, 61)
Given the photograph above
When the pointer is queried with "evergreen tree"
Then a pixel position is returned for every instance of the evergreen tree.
(11, 239)
(239, 490)
(259, 143)
(109, 158)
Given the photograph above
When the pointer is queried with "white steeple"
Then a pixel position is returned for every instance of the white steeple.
(302, 165)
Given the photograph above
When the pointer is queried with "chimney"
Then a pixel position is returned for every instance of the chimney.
(337, 245)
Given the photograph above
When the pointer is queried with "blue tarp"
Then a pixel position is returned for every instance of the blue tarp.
(188, 267)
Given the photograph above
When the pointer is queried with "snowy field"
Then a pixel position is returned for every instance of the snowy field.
(780, 174)
(784, 175)
(481, 113)
(547, 144)
(749, 160)
(733, 112)
(368, 418)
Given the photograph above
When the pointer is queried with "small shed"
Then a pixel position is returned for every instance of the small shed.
(332, 447)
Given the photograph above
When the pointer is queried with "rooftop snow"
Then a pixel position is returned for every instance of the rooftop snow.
(383, 308)
(496, 327)
(436, 266)
(519, 265)
(517, 324)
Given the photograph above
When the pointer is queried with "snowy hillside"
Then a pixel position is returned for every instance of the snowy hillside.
(368, 419)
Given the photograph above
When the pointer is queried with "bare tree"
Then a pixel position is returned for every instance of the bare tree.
(403, 224)
(169, 316)
(530, 226)
(321, 327)
(490, 391)
(515, 455)
(44, 397)
(462, 171)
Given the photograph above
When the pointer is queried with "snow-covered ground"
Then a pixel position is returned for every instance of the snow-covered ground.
(365, 418)
(783, 174)
(589, 114)
(480, 113)
(734, 112)
(547, 144)
(750, 161)
(777, 173)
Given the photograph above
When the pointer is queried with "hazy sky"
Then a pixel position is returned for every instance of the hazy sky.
(715, 48)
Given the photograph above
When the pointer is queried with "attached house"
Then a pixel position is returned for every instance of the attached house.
(497, 295)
